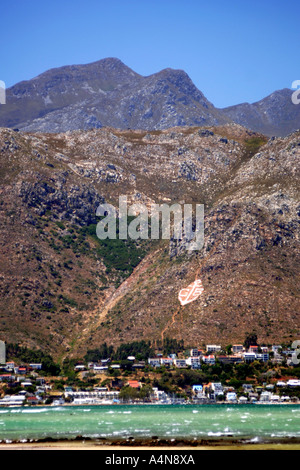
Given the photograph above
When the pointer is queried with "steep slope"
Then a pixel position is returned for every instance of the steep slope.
(64, 291)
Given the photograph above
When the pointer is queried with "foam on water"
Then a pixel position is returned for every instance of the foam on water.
(144, 421)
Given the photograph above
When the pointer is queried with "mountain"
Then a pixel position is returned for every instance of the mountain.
(275, 115)
(65, 291)
(106, 93)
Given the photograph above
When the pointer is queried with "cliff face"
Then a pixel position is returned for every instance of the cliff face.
(63, 290)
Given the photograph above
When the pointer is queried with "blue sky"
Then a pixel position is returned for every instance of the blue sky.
(234, 50)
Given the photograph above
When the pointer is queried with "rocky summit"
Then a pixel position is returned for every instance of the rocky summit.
(107, 93)
(65, 291)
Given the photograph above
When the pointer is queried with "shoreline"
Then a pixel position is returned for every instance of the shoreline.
(85, 445)
(154, 444)
(43, 405)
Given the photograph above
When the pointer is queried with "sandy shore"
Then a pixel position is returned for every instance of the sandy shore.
(88, 445)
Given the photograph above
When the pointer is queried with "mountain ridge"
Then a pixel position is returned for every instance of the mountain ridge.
(107, 93)
(273, 115)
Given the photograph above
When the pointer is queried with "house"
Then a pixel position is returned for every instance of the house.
(243, 399)
(249, 357)
(194, 352)
(159, 395)
(100, 369)
(138, 365)
(115, 366)
(209, 359)
(180, 363)
(35, 366)
(231, 397)
(265, 396)
(194, 362)
(134, 384)
(253, 349)
(293, 383)
(33, 400)
(277, 359)
(281, 384)
(12, 400)
(166, 361)
(212, 390)
(213, 348)
(154, 362)
(6, 378)
(230, 359)
(237, 348)
(27, 383)
(197, 389)
(217, 388)
(263, 357)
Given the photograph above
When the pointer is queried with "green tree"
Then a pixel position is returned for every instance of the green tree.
(250, 340)
(128, 393)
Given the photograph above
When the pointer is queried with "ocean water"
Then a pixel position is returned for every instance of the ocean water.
(255, 422)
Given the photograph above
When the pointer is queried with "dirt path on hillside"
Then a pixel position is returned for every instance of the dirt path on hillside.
(99, 315)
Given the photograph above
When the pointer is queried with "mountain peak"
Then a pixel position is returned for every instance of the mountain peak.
(109, 93)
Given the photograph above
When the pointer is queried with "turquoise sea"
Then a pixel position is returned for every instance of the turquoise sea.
(254, 422)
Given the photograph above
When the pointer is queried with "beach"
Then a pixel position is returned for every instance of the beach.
(94, 446)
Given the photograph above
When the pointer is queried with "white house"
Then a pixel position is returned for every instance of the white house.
(12, 400)
(265, 396)
(237, 348)
(293, 383)
(195, 352)
(209, 359)
(166, 361)
(243, 399)
(194, 362)
(217, 387)
(213, 348)
(154, 362)
(249, 356)
(231, 397)
(36, 366)
(180, 363)
(264, 357)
